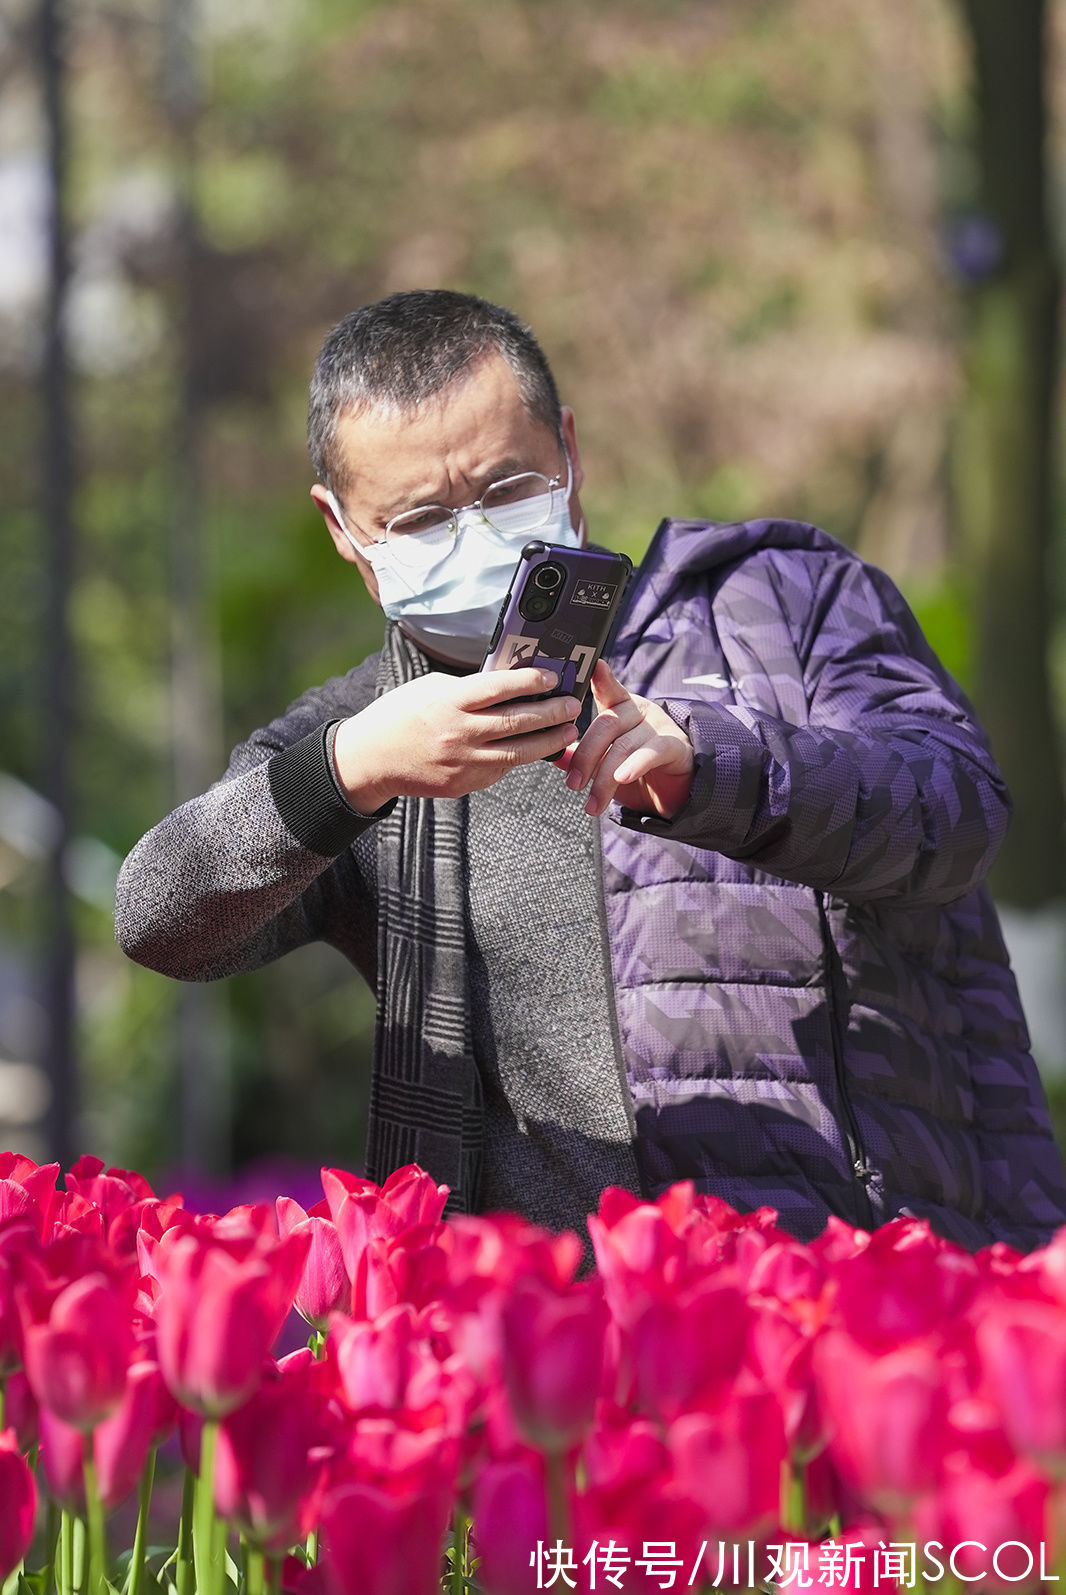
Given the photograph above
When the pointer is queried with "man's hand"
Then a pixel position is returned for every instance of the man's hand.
(444, 736)
(632, 751)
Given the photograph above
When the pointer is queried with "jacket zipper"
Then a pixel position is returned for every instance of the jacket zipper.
(608, 970)
(849, 1128)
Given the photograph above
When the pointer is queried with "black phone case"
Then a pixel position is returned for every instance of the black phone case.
(571, 638)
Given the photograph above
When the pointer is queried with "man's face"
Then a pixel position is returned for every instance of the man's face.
(446, 452)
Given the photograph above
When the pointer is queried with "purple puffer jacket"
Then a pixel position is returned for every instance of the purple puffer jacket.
(814, 1001)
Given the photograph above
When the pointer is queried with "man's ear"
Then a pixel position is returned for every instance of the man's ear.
(566, 416)
(342, 540)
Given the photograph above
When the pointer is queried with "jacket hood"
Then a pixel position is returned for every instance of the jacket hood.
(681, 547)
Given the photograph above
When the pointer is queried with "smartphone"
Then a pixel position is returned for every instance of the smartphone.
(558, 613)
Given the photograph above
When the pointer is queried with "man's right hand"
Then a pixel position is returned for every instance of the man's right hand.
(444, 736)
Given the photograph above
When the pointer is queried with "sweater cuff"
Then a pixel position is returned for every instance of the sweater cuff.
(308, 799)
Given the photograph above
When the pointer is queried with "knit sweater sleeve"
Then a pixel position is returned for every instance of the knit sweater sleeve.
(253, 867)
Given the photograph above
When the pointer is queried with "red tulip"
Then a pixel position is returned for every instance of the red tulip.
(18, 1504)
(272, 1457)
(325, 1286)
(553, 1344)
(225, 1289)
(388, 1367)
(78, 1350)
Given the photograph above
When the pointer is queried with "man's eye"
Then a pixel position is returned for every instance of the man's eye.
(419, 520)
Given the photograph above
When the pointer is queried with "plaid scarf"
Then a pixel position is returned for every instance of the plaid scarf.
(425, 1093)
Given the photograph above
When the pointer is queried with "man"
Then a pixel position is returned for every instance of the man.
(771, 970)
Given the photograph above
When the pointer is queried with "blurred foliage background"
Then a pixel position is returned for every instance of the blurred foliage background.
(758, 243)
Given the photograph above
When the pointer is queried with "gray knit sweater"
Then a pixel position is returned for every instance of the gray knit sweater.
(271, 857)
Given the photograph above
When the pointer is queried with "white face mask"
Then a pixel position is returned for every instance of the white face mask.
(449, 605)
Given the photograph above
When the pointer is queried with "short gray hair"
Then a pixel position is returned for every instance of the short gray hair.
(399, 352)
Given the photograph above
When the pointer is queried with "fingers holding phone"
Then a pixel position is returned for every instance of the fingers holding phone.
(632, 753)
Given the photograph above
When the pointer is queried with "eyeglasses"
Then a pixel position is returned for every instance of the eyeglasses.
(514, 505)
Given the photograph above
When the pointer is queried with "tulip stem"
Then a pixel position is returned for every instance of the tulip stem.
(65, 1556)
(794, 1503)
(140, 1538)
(52, 1527)
(460, 1552)
(78, 1540)
(94, 1513)
(185, 1571)
(253, 1575)
(208, 1546)
(558, 1507)
(273, 1565)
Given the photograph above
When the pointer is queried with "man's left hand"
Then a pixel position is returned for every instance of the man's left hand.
(632, 752)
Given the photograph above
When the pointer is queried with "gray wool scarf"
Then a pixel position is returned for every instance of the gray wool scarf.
(425, 1096)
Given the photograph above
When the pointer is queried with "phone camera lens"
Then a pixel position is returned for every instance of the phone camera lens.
(549, 578)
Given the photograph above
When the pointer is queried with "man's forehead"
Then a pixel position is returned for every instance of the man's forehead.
(475, 426)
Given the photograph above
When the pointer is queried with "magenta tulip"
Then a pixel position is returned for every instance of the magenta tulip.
(272, 1457)
(730, 1462)
(325, 1286)
(887, 1418)
(510, 1515)
(1022, 1345)
(27, 1190)
(553, 1348)
(378, 1540)
(78, 1353)
(18, 1504)
(224, 1292)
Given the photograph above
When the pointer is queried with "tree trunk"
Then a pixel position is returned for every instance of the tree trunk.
(1005, 455)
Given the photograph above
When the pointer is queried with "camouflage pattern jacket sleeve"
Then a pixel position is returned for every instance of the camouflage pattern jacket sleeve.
(832, 749)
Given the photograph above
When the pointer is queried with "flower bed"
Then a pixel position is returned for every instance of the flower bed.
(717, 1406)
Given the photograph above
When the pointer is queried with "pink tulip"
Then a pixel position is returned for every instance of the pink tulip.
(686, 1346)
(272, 1456)
(225, 1290)
(905, 1285)
(553, 1359)
(78, 1350)
(18, 1505)
(113, 1191)
(363, 1212)
(18, 1243)
(382, 1540)
(20, 1410)
(887, 1418)
(730, 1462)
(27, 1191)
(1022, 1345)
(1002, 1509)
(510, 1515)
(325, 1286)
(120, 1443)
(387, 1366)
